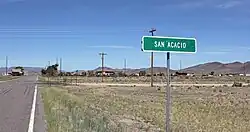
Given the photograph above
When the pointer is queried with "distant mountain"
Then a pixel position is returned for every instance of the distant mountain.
(104, 68)
(131, 71)
(217, 67)
(158, 70)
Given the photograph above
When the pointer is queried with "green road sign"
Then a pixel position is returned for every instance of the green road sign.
(168, 44)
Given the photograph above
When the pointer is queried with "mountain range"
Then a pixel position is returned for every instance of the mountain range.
(217, 67)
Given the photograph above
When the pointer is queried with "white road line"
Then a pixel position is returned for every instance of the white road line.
(32, 114)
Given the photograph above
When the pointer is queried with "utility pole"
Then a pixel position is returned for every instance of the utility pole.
(180, 66)
(125, 66)
(245, 74)
(60, 67)
(57, 69)
(6, 67)
(244, 68)
(152, 59)
(102, 58)
(49, 74)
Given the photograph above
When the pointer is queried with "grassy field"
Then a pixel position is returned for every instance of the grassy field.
(5, 78)
(132, 109)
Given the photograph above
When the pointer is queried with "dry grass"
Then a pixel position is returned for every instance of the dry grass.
(6, 78)
(131, 109)
(67, 113)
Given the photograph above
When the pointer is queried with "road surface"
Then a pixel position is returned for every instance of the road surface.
(16, 106)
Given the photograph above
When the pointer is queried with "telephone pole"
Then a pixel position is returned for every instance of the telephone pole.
(102, 58)
(180, 66)
(152, 58)
(244, 65)
(6, 67)
(125, 66)
(49, 74)
(60, 67)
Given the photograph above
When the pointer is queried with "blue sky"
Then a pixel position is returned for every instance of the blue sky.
(33, 32)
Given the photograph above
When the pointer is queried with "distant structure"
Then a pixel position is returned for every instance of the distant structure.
(17, 72)
(181, 74)
(105, 72)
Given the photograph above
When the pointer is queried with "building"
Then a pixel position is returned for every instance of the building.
(106, 72)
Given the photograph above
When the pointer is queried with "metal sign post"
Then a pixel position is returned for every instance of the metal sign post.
(168, 95)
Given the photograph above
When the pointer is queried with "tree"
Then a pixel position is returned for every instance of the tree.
(68, 74)
(91, 73)
(84, 73)
(19, 67)
(51, 70)
(43, 71)
(161, 74)
(142, 73)
(61, 74)
(121, 74)
(212, 73)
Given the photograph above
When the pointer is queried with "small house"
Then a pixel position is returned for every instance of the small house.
(106, 72)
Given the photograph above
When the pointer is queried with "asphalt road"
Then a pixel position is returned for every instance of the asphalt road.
(16, 99)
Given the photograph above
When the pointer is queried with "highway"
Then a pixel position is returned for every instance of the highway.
(19, 110)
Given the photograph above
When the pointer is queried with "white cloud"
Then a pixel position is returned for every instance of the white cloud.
(32, 30)
(244, 48)
(10, 1)
(223, 4)
(14, 0)
(216, 52)
(230, 4)
(111, 46)
(192, 4)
